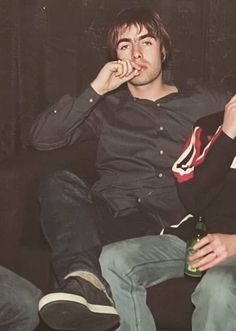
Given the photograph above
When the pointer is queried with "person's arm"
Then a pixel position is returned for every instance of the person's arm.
(201, 169)
(61, 123)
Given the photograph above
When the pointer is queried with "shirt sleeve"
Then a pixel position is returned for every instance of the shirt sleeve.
(64, 122)
(201, 169)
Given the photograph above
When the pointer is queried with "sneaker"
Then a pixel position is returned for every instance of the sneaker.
(78, 305)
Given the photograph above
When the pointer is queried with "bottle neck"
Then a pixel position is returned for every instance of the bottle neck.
(200, 225)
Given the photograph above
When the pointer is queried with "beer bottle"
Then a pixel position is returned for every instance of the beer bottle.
(200, 231)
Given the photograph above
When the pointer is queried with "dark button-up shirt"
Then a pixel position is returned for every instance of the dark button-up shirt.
(138, 142)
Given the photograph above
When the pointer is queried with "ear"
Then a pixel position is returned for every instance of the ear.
(163, 55)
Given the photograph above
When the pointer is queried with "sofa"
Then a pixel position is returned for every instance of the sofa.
(24, 249)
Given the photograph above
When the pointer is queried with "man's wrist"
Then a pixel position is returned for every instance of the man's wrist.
(97, 89)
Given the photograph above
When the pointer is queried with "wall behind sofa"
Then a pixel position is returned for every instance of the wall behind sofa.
(51, 47)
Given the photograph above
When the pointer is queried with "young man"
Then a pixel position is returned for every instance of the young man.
(18, 302)
(206, 179)
(140, 129)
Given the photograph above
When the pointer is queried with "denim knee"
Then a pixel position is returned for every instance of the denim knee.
(53, 181)
(58, 184)
(22, 310)
(111, 257)
(116, 257)
(18, 302)
(218, 284)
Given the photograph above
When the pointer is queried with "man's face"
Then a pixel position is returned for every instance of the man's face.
(138, 46)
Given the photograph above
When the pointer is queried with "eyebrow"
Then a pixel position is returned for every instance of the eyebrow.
(139, 38)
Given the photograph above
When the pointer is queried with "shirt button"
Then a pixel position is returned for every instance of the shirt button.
(90, 100)
(160, 175)
(54, 111)
(158, 104)
(161, 152)
(161, 128)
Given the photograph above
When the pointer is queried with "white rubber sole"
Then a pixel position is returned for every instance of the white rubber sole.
(61, 296)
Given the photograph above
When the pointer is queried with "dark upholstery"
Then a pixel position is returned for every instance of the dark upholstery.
(24, 249)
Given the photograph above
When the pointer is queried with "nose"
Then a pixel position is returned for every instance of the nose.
(136, 51)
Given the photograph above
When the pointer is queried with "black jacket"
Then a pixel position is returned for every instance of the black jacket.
(205, 175)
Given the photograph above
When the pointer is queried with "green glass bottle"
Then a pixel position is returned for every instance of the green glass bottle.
(200, 231)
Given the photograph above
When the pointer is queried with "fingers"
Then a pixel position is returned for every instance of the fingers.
(126, 69)
(204, 241)
(229, 123)
(113, 74)
(232, 100)
(207, 244)
(200, 253)
(209, 251)
(231, 105)
(208, 262)
(211, 259)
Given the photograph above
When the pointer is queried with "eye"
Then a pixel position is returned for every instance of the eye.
(147, 42)
(123, 47)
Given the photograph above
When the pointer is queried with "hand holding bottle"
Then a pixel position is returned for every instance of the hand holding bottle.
(212, 249)
(200, 232)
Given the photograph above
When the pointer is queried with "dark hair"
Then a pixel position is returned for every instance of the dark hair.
(141, 17)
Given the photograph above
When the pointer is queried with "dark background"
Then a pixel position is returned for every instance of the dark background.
(50, 47)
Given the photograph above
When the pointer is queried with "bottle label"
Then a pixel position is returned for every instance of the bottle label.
(200, 232)
(188, 269)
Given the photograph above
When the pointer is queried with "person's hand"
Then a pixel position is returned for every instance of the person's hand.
(114, 74)
(229, 123)
(212, 249)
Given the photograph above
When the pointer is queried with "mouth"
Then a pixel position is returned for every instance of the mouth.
(142, 66)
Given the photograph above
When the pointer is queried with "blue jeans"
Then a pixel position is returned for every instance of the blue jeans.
(133, 265)
(18, 302)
